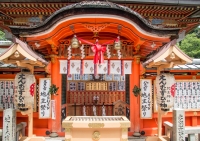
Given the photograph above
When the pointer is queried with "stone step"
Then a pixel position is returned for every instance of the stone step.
(131, 138)
(63, 139)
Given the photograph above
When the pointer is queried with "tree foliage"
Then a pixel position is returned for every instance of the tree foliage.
(191, 44)
(2, 35)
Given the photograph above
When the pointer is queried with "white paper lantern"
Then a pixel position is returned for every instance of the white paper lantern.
(24, 90)
(165, 91)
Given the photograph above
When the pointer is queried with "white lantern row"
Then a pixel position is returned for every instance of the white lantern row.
(88, 67)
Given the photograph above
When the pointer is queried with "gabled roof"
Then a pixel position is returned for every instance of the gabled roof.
(20, 51)
(167, 54)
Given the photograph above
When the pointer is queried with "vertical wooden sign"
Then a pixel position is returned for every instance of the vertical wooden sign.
(146, 99)
(9, 125)
(53, 109)
(178, 125)
(7, 94)
(44, 98)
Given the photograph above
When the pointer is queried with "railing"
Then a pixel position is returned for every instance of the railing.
(5, 43)
(190, 131)
(20, 131)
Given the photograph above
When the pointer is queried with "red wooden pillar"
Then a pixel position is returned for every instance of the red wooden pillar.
(135, 101)
(56, 79)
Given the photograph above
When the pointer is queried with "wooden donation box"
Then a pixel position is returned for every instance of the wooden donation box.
(96, 128)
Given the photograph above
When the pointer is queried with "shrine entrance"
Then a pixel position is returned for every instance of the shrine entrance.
(95, 55)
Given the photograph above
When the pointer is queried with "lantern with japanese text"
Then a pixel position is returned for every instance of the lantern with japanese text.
(24, 90)
(165, 91)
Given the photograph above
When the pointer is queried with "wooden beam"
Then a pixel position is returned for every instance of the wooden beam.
(30, 67)
(161, 67)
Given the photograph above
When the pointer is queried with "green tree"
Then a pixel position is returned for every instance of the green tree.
(191, 45)
(2, 35)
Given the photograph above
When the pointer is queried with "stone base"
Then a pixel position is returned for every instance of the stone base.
(53, 135)
(34, 138)
(136, 134)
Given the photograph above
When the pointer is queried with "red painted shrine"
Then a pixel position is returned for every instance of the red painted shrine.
(96, 53)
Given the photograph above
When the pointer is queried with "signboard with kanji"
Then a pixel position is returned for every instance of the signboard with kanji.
(146, 99)
(44, 98)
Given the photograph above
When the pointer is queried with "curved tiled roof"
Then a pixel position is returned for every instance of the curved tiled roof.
(94, 7)
(25, 48)
(164, 49)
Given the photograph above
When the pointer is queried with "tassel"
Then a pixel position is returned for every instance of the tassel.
(95, 69)
(122, 67)
(82, 62)
(108, 67)
(69, 52)
(68, 67)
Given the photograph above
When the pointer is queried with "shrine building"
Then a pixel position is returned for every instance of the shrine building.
(98, 54)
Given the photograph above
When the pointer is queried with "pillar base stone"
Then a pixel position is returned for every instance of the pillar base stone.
(136, 134)
(53, 135)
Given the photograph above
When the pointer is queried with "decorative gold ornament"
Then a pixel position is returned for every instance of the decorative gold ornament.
(117, 44)
(97, 27)
(125, 125)
(124, 139)
(124, 130)
(75, 42)
(194, 77)
(16, 54)
(96, 136)
(67, 125)
(137, 59)
(96, 125)
(67, 130)
(67, 139)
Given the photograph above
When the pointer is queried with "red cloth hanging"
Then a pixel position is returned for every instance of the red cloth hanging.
(98, 50)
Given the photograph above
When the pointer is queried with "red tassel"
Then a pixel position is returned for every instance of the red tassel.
(122, 67)
(95, 69)
(68, 67)
(82, 62)
(108, 67)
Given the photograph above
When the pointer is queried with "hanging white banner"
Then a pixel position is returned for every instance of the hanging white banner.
(53, 109)
(145, 99)
(63, 66)
(44, 98)
(103, 68)
(127, 67)
(115, 66)
(75, 66)
(88, 67)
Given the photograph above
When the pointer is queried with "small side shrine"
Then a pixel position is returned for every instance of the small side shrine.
(24, 86)
(167, 57)
(165, 85)
(20, 54)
